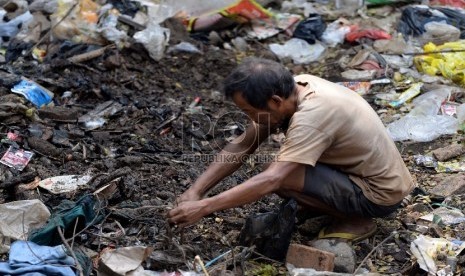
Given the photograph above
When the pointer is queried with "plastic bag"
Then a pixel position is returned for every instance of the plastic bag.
(439, 33)
(414, 19)
(154, 38)
(310, 29)
(271, 232)
(80, 25)
(107, 28)
(451, 3)
(422, 128)
(450, 65)
(336, 32)
(299, 50)
(349, 7)
(370, 33)
(11, 28)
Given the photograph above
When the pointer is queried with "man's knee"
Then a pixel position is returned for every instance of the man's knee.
(283, 193)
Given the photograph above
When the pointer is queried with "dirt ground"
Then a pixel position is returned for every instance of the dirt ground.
(153, 143)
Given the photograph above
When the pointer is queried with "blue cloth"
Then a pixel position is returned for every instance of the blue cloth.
(37, 260)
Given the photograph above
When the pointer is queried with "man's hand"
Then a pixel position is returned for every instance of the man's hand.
(188, 195)
(188, 212)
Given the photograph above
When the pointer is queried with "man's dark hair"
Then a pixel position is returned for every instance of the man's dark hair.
(258, 80)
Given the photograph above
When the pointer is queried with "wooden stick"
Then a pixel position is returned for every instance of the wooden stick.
(78, 265)
(199, 261)
(89, 55)
(427, 53)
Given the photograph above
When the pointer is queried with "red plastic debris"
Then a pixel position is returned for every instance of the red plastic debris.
(370, 33)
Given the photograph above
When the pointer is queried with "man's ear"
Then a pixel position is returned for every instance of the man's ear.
(275, 100)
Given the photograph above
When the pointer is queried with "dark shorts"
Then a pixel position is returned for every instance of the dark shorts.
(335, 188)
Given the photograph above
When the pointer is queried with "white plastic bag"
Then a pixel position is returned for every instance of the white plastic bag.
(299, 50)
(335, 32)
(154, 38)
(11, 28)
(422, 128)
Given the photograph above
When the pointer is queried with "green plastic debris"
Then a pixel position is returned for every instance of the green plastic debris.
(65, 216)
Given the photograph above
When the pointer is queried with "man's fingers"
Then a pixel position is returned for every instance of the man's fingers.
(178, 220)
(173, 212)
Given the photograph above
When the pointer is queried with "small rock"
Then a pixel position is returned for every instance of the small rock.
(240, 44)
(452, 185)
(344, 255)
(215, 39)
(43, 147)
(446, 153)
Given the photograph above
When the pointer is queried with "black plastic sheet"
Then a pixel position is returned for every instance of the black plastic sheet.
(271, 232)
(310, 29)
(413, 19)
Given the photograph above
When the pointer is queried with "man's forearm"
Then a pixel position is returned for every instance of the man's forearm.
(225, 164)
(230, 158)
(250, 191)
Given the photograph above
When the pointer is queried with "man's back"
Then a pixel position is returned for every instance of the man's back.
(335, 126)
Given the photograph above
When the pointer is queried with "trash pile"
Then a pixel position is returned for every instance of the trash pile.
(106, 105)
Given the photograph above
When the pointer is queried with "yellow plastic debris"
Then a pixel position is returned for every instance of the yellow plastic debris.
(447, 60)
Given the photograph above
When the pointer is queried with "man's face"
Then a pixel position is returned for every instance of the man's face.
(272, 116)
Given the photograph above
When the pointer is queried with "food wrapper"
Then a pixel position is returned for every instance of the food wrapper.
(450, 166)
(16, 158)
(361, 87)
(409, 94)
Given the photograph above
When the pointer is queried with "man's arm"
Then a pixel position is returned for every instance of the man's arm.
(269, 181)
(227, 161)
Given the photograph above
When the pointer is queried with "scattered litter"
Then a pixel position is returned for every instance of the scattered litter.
(155, 39)
(432, 252)
(8, 30)
(447, 216)
(184, 47)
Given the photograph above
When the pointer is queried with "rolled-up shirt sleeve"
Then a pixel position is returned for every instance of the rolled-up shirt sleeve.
(303, 144)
